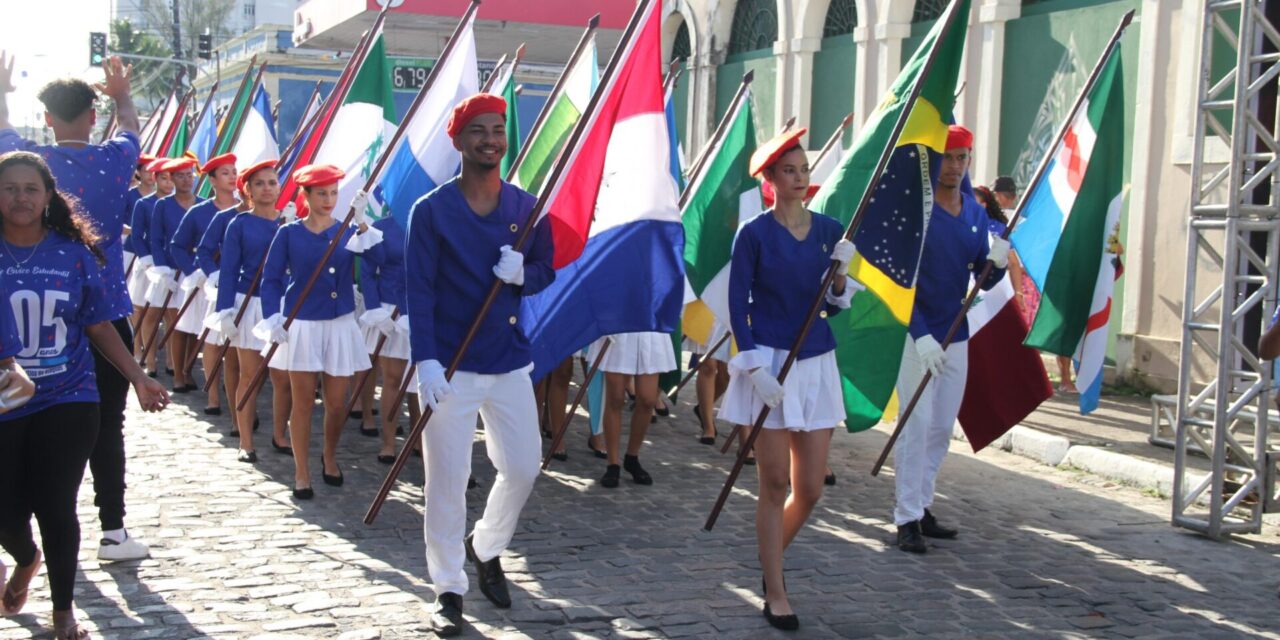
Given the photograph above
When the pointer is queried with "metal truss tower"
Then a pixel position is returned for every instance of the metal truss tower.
(1233, 250)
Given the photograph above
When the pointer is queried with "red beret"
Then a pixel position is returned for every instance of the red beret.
(157, 165)
(242, 180)
(478, 104)
(959, 137)
(145, 159)
(179, 164)
(769, 152)
(314, 175)
(218, 161)
(769, 197)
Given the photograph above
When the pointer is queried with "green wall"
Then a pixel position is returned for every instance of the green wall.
(1036, 46)
(834, 71)
(763, 87)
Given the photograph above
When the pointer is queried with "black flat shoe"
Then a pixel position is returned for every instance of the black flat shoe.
(662, 410)
(386, 459)
(168, 371)
(304, 493)
(247, 456)
(369, 433)
(910, 538)
(333, 481)
(562, 456)
(446, 620)
(191, 386)
(472, 483)
(750, 461)
(788, 622)
(180, 389)
(829, 479)
(598, 453)
(638, 475)
(356, 414)
(152, 374)
(213, 411)
(399, 431)
(610, 478)
(288, 451)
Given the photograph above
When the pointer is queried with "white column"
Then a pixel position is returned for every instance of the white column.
(888, 39)
(796, 89)
(865, 95)
(984, 118)
(702, 101)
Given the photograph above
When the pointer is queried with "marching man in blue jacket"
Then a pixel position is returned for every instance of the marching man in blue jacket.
(459, 239)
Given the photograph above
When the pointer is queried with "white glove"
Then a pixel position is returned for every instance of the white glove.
(767, 387)
(379, 319)
(402, 324)
(224, 322)
(272, 329)
(510, 267)
(999, 253)
(289, 212)
(162, 279)
(432, 385)
(360, 204)
(843, 253)
(193, 281)
(931, 354)
(844, 300)
(211, 286)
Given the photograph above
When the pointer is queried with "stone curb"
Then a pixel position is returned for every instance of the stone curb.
(1057, 451)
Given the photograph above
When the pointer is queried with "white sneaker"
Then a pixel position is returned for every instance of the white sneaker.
(130, 549)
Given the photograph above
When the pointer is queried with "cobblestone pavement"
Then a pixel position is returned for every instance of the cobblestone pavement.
(1042, 552)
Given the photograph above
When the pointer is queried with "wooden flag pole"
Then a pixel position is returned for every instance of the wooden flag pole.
(832, 270)
(1017, 215)
(556, 90)
(558, 439)
(526, 230)
(383, 158)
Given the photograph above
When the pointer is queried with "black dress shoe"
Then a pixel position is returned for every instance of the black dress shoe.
(638, 474)
(369, 433)
(493, 582)
(596, 452)
(190, 386)
(562, 456)
(399, 430)
(152, 374)
(247, 456)
(180, 389)
(446, 620)
(930, 528)
(610, 478)
(662, 410)
(213, 411)
(788, 622)
(168, 371)
(829, 479)
(304, 493)
(386, 459)
(288, 451)
(910, 539)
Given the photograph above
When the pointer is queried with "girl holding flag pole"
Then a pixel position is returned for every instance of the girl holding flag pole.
(139, 233)
(780, 259)
(243, 248)
(324, 337)
(221, 172)
(163, 293)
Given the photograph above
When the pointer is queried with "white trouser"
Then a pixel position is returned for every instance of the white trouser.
(924, 440)
(505, 402)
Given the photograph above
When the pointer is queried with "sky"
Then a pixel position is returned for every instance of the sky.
(50, 39)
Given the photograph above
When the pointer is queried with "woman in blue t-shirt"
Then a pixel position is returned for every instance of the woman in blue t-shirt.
(52, 282)
(780, 258)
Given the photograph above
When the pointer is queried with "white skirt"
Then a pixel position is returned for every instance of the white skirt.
(244, 335)
(334, 347)
(722, 353)
(137, 284)
(156, 295)
(396, 346)
(641, 353)
(215, 336)
(812, 399)
(192, 321)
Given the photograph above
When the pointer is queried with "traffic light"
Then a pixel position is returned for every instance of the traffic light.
(204, 48)
(97, 48)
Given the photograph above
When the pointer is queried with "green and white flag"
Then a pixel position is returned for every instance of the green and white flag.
(722, 196)
(563, 111)
(508, 92)
(364, 124)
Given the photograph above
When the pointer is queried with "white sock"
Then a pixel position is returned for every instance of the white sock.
(116, 535)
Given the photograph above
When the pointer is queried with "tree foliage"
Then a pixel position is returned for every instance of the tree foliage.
(151, 79)
(194, 18)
